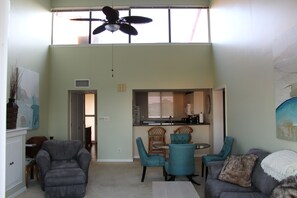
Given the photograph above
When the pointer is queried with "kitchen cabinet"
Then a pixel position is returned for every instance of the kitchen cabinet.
(196, 101)
(15, 162)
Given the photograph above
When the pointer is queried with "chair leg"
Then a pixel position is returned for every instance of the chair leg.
(165, 173)
(206, 172)
(143, 173)
(202, 170)
(193, 181)
(172, 178)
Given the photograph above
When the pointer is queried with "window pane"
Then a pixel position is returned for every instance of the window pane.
(66, 31)
(155, 31)
(107, 36)
(154, 110)
(90, 104)
(167, 104)
(189, 25)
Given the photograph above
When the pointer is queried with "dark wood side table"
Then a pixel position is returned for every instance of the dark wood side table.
(30, 165)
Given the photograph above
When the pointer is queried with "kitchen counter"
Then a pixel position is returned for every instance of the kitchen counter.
(170, 124)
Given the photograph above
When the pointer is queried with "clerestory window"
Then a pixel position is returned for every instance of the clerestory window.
(169, 25)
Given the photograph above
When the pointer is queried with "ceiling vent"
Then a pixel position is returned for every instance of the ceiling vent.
(82, 83)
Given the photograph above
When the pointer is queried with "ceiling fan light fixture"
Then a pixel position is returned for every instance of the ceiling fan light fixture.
(112, 27)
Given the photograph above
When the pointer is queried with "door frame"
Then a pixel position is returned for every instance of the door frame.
(83, 117)
(219, 117)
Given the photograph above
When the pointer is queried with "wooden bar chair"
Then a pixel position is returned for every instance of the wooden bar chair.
(156, 135)
(184, 129)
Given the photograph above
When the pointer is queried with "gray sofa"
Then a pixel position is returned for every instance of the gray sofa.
(63, 168)
(262, 184)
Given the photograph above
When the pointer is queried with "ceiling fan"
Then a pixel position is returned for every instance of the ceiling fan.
(113, 22)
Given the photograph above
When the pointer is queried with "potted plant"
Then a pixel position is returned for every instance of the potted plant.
(12, 107)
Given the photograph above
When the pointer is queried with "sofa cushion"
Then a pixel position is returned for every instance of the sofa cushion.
(64, 177)
(64, 164)
(237, 169)
(260, 179)
(215, 187)
(242, 195)
(62, 149)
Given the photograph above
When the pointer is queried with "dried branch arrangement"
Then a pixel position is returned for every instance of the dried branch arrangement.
(14, 82)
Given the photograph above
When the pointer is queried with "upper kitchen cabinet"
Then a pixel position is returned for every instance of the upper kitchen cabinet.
(199, 101)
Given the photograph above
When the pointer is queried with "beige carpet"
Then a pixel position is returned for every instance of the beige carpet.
(118, 180)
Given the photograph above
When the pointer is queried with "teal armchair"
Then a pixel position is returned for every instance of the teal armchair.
(181, 161)
(183, 138)
(221, 156)
(148, 160)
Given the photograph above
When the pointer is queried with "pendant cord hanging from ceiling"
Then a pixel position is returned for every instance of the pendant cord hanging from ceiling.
(112, 70)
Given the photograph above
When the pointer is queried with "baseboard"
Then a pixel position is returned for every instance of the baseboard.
(20, 191)
(114, 160)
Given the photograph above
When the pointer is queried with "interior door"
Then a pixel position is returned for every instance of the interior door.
(219, 119)
(76, 116)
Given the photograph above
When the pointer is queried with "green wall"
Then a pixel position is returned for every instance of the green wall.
(243, 37)
(28, 41)
(139, 67)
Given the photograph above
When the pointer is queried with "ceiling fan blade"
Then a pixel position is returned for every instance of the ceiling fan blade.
(99, 29)
(128, 29)
(87, 19)
(136, 19)
(112, 15)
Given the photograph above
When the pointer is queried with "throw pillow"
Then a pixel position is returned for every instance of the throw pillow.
(237, 169)
(286, 188)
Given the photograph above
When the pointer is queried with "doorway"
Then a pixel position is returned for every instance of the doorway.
(83, 119)
(219, 119)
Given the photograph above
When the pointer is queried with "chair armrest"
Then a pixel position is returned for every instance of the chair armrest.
(43, 161)
(214, 169)
(83, 159)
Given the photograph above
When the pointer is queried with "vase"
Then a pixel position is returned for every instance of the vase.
(12, 114)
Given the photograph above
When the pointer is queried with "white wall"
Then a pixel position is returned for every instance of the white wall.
(243, 36)
(4, 16)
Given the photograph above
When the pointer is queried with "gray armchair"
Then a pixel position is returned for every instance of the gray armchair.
(63, 167)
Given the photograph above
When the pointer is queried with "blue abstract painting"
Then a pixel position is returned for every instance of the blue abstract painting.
(28, 99)
(285, 70)
(286, 120)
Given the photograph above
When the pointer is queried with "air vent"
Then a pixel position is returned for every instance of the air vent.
(82, 83)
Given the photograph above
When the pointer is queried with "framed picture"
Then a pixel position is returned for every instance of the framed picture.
(285, 72)
(28, 99)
